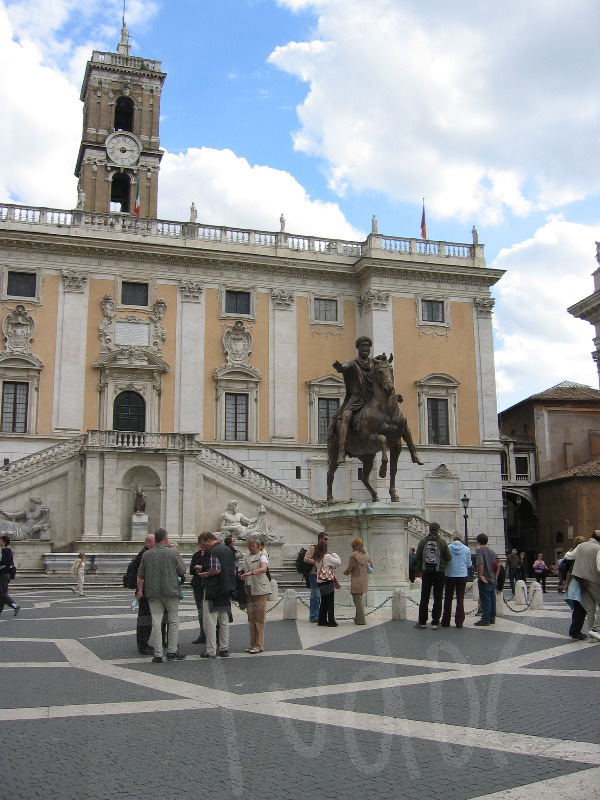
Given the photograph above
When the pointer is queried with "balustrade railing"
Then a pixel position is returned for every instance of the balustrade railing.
(42, 458)
(144, 439)
(257, 480)
(111, 223)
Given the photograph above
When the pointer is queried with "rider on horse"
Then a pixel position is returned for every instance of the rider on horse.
(358, 377)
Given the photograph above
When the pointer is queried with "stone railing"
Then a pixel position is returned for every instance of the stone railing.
(126, 440)
(47, 457)
(193, 234)
(121, 60)
(257, 480)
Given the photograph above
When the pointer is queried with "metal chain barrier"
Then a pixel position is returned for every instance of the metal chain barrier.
(516, 610)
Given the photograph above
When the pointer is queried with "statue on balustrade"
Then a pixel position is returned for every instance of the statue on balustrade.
(369, 421)
(35, 522)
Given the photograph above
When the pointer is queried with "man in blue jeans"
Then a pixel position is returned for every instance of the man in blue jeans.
(486, 581)
(315, 595)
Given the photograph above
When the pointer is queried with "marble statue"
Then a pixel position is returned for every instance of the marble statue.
(35, 522)
(262, 529)
(233, 522)
(139, 502)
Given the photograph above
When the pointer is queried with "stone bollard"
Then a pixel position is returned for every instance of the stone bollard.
(521, 593)
(537, 597)
(398, 604)
(290, 604)
(274, 596)
(475, 591)
(417, 583)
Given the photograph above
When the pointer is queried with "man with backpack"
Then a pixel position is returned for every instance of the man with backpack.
(433, 554)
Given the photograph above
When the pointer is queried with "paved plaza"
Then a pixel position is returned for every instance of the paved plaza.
(376, 712)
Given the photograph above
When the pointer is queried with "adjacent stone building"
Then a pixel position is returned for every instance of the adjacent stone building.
(195, 360)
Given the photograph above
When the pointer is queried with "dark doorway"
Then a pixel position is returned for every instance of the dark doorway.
(129, 412)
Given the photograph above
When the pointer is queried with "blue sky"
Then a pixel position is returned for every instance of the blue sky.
(333, 110)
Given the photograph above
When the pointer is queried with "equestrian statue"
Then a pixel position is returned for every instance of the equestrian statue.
(369, 420)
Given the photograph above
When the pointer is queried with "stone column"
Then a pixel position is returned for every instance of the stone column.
(376, 310)
(110, 523)
(91, 522)
(486, 377)
(189, 531)
(283, 374)
(172, 515)
(71, 335)
(189, 375)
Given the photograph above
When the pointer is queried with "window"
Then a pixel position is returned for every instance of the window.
(21, 284)
(134, 294)
(15, 399)
(236, 417)
(432, 310)
(124, 114)
(237, 302)
(129, 412)
(327, 409)
(437, 401)
(326, 310)
(521, 468)
(437, 421)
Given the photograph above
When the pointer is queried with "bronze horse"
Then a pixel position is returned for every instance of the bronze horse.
(379, 426)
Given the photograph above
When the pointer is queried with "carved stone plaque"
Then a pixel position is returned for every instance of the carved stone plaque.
(132, 333)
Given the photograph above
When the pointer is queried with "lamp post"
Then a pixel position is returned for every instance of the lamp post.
(465, 504)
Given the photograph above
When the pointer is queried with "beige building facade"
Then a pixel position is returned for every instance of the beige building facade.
(196, 360)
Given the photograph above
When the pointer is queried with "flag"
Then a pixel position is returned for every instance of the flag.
(137, 198)
(423, 225)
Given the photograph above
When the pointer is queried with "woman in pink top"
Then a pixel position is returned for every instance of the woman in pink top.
(540, 570)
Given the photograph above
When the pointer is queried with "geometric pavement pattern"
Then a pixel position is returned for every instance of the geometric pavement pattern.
(382, 711)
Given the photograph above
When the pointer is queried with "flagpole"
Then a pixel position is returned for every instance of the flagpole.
(423, 223)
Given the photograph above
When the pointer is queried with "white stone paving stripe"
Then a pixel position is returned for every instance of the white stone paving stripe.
(576, 786)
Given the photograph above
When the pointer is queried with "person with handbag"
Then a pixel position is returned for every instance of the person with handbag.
(358, 569)
(541, 571)
(258, 589)
(326, 564)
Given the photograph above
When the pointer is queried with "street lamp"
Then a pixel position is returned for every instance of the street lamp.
(465, 504)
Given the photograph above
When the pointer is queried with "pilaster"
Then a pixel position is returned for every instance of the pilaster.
(486, 376)
(189, 388)
(67, 413)
(283, 358)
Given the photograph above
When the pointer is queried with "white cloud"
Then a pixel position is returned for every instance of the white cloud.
(227, 190)
(484, 108)
(539, 342)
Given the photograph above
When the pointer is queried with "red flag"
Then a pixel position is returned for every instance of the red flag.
(423, 225)
(137, 198)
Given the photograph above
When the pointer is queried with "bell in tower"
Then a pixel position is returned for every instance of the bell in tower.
(119, 156)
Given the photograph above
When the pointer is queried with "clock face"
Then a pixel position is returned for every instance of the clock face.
(122, 149)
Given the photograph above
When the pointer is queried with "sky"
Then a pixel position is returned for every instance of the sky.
(330, 111)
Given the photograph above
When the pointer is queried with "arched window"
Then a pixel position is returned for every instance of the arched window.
(129, 412)
(119, 193)
(124, 114)
(559, 538)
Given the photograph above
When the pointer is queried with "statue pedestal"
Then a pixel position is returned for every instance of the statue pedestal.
(387, 529)
(139, 527)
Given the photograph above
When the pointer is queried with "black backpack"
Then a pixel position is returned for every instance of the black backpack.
(431, 556)
(301, 565)
(130, 577)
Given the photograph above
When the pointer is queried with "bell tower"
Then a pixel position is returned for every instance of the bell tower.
(119, 156)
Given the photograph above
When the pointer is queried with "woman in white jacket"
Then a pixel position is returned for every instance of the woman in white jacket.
(326, 563)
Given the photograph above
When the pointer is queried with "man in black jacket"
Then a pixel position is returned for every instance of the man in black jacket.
(219, 583)
(6, 562)
(144, 619)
